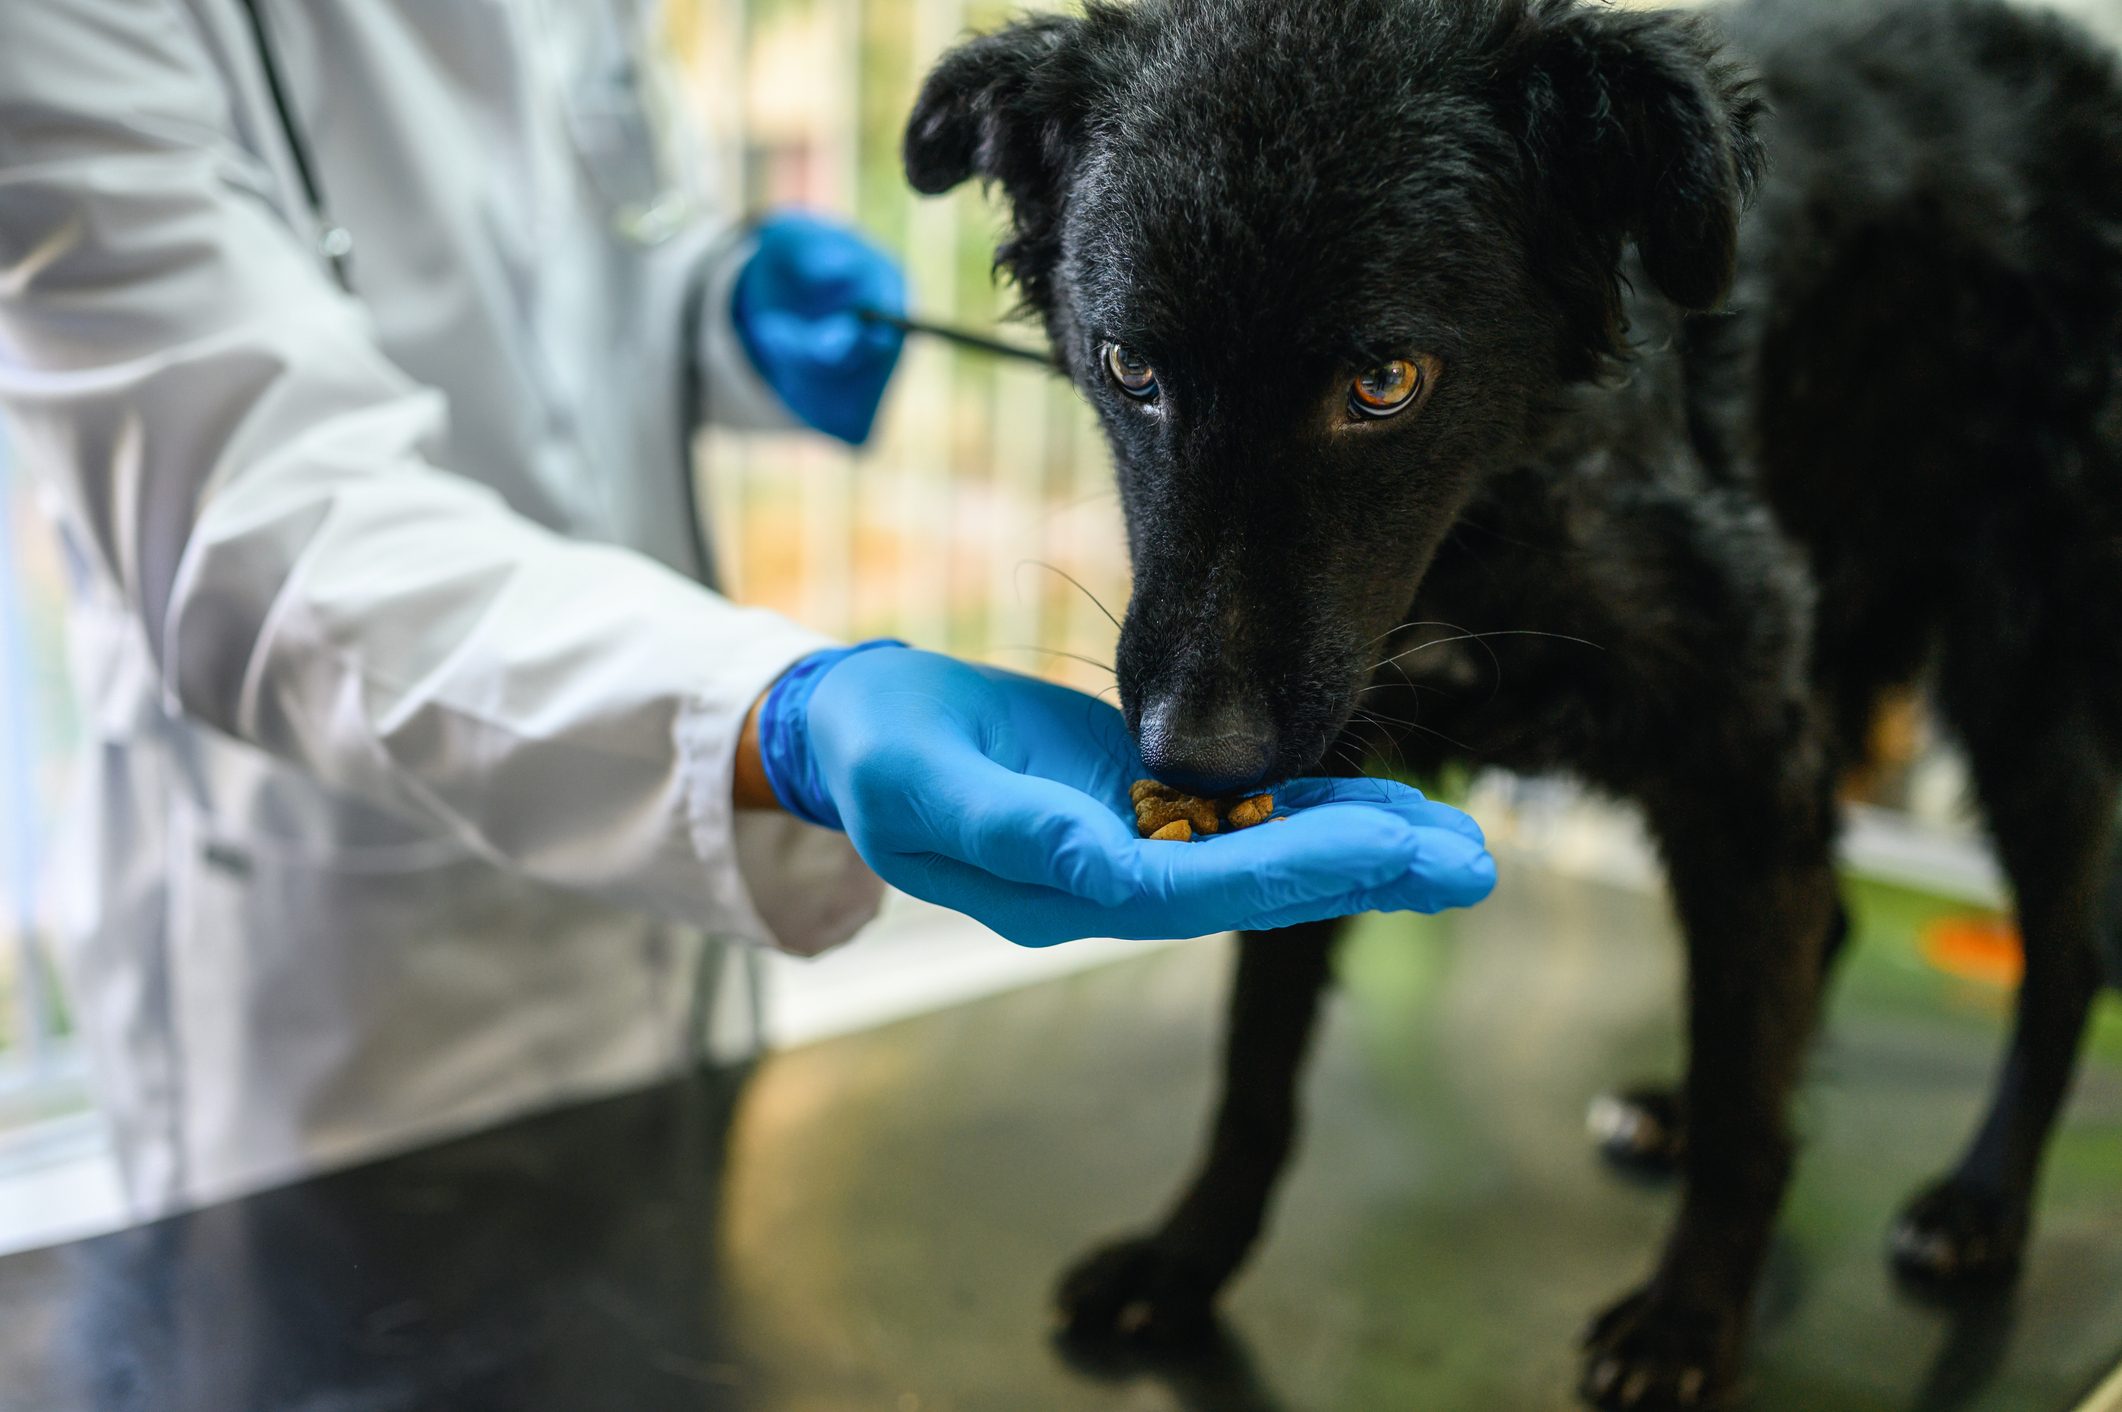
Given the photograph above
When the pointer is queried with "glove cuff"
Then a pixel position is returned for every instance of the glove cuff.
(784, 735)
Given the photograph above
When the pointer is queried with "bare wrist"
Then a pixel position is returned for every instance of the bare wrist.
(749, 787)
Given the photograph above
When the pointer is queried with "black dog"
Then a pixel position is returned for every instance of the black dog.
(1399, 313)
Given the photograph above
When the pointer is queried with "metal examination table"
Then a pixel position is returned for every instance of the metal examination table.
(873, 1222)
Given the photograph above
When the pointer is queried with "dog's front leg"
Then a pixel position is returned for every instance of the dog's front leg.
(1754, 890)
(1160, 1287)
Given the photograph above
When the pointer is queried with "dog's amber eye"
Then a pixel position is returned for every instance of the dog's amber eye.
(1129, 369)
(1387, 388)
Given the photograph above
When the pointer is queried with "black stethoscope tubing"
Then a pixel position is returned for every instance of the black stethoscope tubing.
(333, 241)
(336, 244)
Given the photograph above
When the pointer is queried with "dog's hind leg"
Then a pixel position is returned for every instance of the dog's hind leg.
(1749, 857)
(2049, 786)
(1160, 1287)
(1642, 1130)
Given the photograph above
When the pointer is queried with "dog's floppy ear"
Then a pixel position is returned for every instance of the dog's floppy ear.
(1643, 133)
(1004, 107)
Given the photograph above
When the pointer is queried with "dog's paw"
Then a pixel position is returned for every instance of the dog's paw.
(1642, 1131)
(1141, 1290)
(1953, 1238)
(1651, 1354)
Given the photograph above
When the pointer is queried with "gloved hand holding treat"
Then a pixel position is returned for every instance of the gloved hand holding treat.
(1013, 800)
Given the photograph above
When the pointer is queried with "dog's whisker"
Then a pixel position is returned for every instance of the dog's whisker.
(1418, 623)
(1054, 652)
(1381, 718)
(1392, 739)
(1348, 755)
(1465, 634)
(1071, 578)
(1426, 730)
(1484, 636)
(1406, 683)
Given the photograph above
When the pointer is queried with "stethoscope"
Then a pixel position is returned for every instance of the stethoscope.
(335, 243)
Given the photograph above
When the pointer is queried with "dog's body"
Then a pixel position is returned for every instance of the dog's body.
(1896, 456)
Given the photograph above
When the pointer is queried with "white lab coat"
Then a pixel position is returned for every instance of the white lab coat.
(406, 792)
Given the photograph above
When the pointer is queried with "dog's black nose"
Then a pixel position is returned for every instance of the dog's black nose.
(1210, 753)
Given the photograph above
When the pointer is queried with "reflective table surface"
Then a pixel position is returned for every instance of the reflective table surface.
(874, 1222)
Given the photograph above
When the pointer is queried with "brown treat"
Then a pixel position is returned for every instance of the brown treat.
(1154, 814)
(1157, 805)
(1177, 831)
(1247, 812)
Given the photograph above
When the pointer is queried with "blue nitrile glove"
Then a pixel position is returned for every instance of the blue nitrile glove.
(795, 307)
(1006, 798)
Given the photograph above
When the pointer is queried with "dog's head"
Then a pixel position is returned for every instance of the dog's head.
(1321, 265)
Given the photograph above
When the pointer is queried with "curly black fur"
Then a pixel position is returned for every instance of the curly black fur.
(1724, 472)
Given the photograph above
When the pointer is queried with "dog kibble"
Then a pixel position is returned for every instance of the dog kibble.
(1159, 805)
(1162, 812)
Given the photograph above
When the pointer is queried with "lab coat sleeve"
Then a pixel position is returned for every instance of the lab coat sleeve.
(733, 394)
(259, 481)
